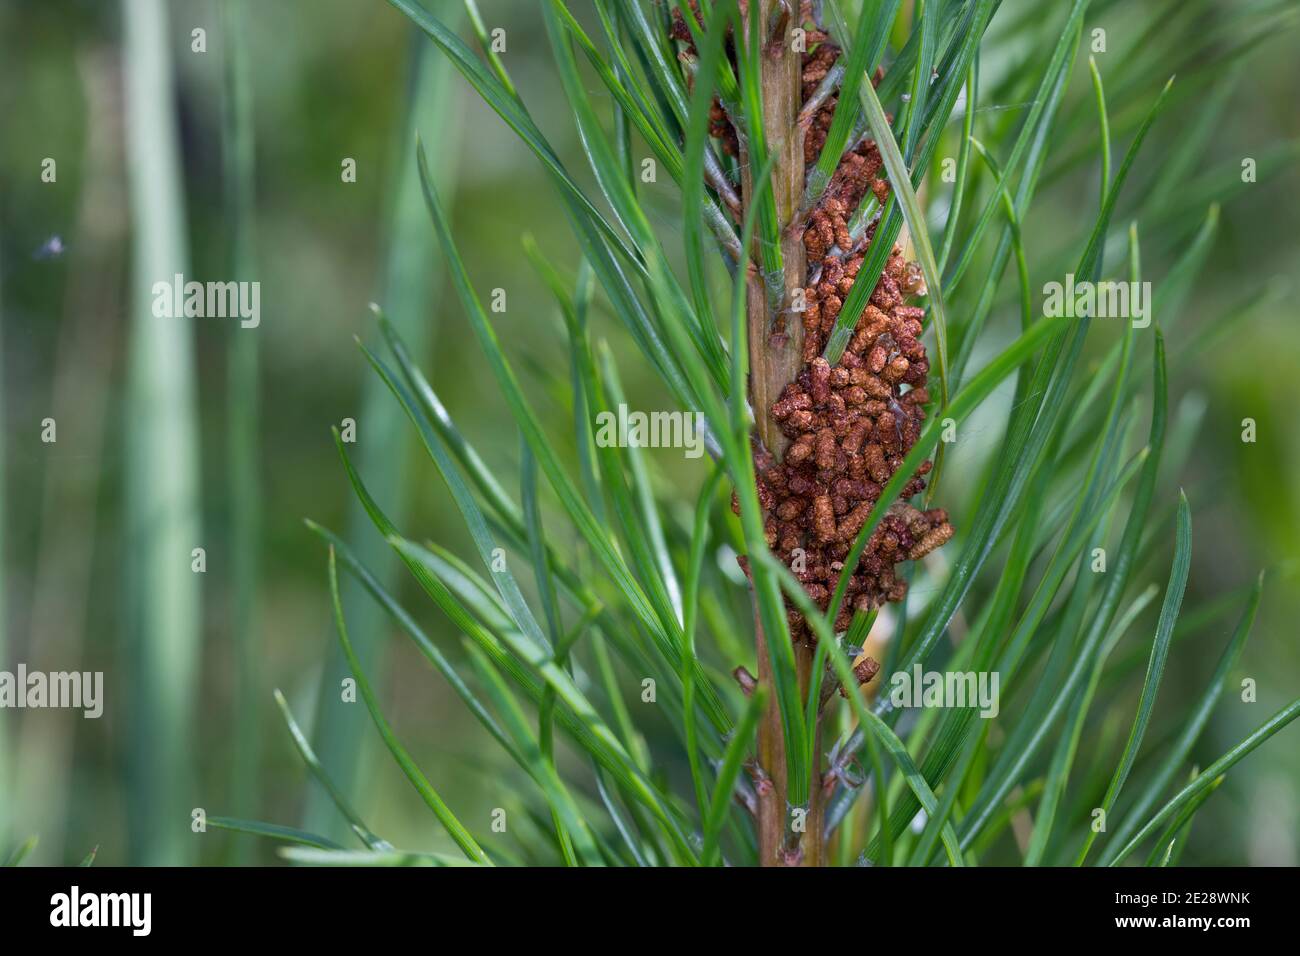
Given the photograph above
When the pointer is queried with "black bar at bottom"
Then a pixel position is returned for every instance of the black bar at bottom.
(338, 905)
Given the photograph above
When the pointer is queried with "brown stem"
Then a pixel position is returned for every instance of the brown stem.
(775, 349)
(776, 339)
(774, 811)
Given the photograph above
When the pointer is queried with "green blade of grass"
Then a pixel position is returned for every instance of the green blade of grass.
(887, 230)
(668, 299)
(546, 710)
(486, 46)
(963, 167)
(925, 848)
(914, 216)
(464, 621)
(1032, 422)
(1091, 502)
(1013, 241)
(537, 550)
(404, 620)
(661, 623)
(697, 132)
(620, 823)
(885, 14)
(655, 136)
(1016, 804)
(749, 53)
(881, 810)
(634, 499)
(902, 192)
(1015, 755)
(1058, 67)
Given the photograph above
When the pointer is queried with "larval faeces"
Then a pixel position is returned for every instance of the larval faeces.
(851, 424)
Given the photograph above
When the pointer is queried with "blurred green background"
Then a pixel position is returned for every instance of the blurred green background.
(337, 79)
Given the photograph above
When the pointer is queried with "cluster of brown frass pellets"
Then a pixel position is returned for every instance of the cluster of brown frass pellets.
(850, 424)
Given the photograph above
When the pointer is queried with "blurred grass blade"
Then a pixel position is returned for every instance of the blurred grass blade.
(243, 397)
(21, 851)
(162, 464)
